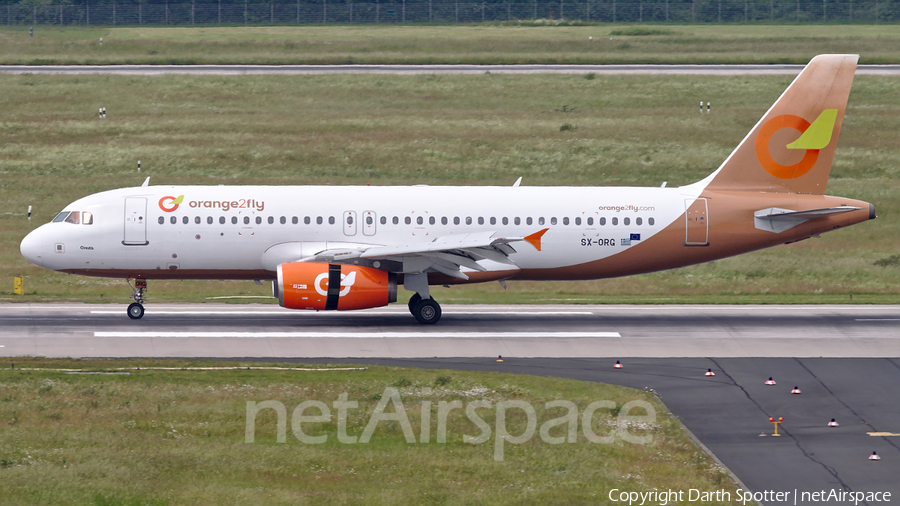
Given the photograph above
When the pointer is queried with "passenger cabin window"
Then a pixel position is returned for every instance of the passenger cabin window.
(221, 220)
(505, 220)
(553, 221)
(271, 219)
(294, 220)
(384, 220)
(443, 220)
(331, 220)
(468, 220)
(638, 221)
(209, 220)
(319, 220)
(259, 220)
(626, 221)
(602, 221)
(185, 220)
(407, 220)
(197, 220)
(528, 221)
(234, 220)
(480, 220)
(173, 220)
(282, 220)
(651, 221)
(246, 220)
(615, 221)
(517, 220)
(590, 221)
(161, 220)
(565, 221)
(456, 220)
(420, 220)
(578, 221)
(541, 220)
(395, 220)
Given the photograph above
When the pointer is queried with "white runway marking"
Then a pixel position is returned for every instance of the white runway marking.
(363, 335)
(372, 313)
(878, 319)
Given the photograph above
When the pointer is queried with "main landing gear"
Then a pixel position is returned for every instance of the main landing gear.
(426, 311)
(421, 305)
(136, 308)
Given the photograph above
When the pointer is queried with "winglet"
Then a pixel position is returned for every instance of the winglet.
(535, 238)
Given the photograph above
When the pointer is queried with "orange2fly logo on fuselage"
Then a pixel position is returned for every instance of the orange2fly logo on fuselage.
(813, 137)
(169, 203)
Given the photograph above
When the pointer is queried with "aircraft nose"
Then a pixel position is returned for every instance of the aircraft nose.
(31, 247)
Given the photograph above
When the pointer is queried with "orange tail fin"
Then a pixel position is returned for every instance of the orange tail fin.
(792, 147)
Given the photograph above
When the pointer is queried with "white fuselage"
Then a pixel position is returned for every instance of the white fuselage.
(224, 232)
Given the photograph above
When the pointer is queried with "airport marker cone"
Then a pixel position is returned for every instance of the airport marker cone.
(796, 390)
(499, 358)
(618, 365)
(833, 423)
(709, 373)
(874, 456)
(770, 381)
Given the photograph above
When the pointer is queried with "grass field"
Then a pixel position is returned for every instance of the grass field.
(501, 43)
(178, 437)
(469, 130)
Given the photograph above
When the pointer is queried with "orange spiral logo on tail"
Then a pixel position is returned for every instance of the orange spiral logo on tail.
(813, 137)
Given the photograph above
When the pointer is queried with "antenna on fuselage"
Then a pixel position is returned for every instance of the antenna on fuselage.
(518, 182)
(146, 182)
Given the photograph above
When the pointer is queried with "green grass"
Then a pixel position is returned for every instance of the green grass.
(481, 44)
(467, 130)
(177, 437)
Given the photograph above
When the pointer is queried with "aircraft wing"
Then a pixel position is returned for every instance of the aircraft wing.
(448, 255)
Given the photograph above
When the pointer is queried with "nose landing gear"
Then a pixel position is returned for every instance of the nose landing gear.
(136, 308)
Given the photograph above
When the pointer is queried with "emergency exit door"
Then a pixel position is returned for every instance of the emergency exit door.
(696, 217)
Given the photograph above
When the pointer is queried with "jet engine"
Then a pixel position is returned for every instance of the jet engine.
(302, 285)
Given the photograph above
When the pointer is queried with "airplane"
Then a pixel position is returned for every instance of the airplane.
(350, 247)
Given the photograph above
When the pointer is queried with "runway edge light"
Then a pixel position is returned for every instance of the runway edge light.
(770, 381)
(874, 456)
(617, 365)
(499, 358)
(833, 423)
(709, 372)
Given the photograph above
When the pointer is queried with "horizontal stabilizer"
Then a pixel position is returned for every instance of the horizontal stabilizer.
(778, 220)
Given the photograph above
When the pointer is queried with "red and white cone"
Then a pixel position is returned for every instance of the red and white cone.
(770, 381)
(709, 373)
(874, 456)
(833, 423)
(796, 391)
(618, 365)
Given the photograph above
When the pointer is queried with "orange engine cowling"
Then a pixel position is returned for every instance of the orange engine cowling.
(303, 285)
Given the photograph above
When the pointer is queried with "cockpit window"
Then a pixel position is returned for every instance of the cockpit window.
(75, 217)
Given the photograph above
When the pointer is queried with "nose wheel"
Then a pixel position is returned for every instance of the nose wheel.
(135, 311)
(136, 308)
(426, 311)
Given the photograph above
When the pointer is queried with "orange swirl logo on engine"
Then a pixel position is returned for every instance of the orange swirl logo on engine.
(813, 137)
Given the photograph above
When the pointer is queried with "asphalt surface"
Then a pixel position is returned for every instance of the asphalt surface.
(267, 331)
(724, 70)
(744, 345)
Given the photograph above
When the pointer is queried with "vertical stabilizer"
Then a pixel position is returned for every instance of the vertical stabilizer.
(792, 147)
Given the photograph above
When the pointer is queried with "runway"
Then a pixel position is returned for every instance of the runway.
(716, 70)
(267, 331)
(666, 349)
